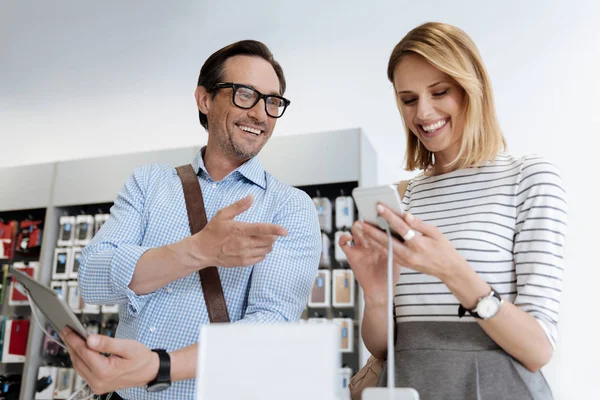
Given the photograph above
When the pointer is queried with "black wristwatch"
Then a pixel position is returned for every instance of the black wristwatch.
(487, 306)
(163, 378)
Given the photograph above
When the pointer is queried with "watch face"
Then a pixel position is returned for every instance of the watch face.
(488, 307)
(157, 387)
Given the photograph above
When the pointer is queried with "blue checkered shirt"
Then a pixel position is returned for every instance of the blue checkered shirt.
(150, 212)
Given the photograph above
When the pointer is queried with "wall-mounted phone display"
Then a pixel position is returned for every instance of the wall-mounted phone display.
(84, 230)
(346, 334)
(321, 291)
(66, 234)
(343, 288)
(60, 266)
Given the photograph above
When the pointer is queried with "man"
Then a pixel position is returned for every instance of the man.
(266, 244)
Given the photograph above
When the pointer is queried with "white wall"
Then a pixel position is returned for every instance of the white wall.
(81, 79)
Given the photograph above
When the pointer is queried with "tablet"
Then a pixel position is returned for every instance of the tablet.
(54, 308)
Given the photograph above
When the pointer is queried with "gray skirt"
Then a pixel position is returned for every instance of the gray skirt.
(458, 360)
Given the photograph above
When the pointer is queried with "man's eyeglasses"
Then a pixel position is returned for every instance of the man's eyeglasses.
(246, 97)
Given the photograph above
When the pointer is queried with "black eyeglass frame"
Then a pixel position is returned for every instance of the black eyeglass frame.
(236, 86)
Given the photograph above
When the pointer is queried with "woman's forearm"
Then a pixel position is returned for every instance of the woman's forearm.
(374, 326)
(520, 335)
(513, 329)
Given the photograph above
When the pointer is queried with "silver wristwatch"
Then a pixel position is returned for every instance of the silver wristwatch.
(487, 307)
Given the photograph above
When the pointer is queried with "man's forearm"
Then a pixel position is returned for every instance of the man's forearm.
(162, 265)
(183, 363)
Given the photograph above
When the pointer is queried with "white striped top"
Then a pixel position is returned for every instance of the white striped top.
(507, 218)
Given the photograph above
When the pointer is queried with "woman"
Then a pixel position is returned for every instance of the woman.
(477, 296)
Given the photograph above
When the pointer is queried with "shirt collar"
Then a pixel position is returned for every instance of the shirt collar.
(251, 169)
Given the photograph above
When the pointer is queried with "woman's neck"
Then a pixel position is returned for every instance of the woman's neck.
(442, 163)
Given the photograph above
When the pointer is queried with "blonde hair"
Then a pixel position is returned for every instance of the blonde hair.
(451, 50)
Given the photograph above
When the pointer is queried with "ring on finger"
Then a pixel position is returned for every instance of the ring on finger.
(409, 235)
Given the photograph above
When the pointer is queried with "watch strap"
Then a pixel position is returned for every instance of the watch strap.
(462, 311)
(164, 367)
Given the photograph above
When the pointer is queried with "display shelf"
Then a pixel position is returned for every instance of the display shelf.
(19, 254)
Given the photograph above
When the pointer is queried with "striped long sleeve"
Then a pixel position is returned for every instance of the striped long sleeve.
(539, 242)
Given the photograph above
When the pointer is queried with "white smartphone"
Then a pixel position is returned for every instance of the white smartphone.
(367, 198)
(339, 254)
(67, 230)
(344, 212)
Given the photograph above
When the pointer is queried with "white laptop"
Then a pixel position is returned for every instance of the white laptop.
(269, 362)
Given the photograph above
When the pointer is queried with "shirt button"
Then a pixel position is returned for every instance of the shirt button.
(152, 329)
(169, 290)
(214, 185)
